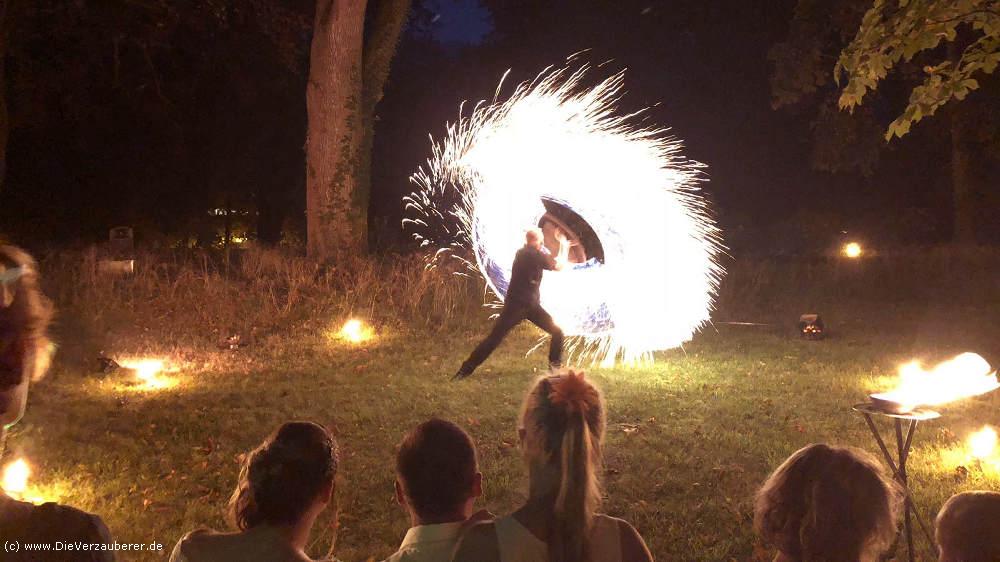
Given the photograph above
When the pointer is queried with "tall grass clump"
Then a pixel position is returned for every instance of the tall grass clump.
(192, 299)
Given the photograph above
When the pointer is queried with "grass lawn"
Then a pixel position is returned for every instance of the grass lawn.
(689, 438)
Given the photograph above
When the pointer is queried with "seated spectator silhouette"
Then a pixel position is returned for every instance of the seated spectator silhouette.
(25, 314)
(829, 504)
(562, 436)
(437, 483)
(284, 485)
(968, 528)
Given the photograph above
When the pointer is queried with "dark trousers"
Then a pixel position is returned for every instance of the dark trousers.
(512, 315)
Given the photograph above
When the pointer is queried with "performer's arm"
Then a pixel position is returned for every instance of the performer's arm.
(562, 257)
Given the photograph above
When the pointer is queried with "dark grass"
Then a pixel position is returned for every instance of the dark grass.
(689, 438)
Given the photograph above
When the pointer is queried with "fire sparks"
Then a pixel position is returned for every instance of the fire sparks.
(149, 373)
(983, 443)
(852, 250)
(963, 376)
(648, 272)
(15, 482)
(355, 331)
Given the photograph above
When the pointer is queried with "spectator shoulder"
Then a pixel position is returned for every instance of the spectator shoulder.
(478, 543)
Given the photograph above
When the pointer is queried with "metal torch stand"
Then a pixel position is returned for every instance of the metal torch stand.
(898, 463)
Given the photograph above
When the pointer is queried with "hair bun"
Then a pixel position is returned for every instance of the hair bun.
(573, 393)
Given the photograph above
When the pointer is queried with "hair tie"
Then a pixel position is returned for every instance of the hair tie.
(573, 393)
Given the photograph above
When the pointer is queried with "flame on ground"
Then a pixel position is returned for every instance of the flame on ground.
(962, 376)
(983, 442)
(15, 477)
(149, 371)
(355, 331)
(15, 482)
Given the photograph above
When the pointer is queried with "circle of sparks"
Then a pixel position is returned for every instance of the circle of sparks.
(554, 141)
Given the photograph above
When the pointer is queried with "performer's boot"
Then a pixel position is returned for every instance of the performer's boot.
(463, 372)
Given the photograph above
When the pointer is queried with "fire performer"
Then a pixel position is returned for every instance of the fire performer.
(523, 301)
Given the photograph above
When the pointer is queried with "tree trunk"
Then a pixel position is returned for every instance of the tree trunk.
(963, 182)
(387, 23)
(335, 223)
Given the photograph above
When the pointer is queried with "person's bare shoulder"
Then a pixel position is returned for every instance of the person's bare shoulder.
(634, 549)
(189, 547)
(478, 544)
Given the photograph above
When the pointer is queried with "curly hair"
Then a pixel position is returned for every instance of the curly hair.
(828, 504)
(280, 479)
(25, 315)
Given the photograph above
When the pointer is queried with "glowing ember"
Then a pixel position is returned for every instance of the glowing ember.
(355, 331)
(963, 376)
(15, 478)
(560, 153)
(983, 442)
(852, 250)
(149, 373)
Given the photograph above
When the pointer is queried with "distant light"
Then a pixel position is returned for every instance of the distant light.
(355, 331)
(852, 250)
(15, 478)
(983, 442)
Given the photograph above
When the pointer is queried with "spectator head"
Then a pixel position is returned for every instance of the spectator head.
(25, 314)
(533, 237)
(968, 528)
(828, 503)
(562, 432)
(437, 474)
(288, 476)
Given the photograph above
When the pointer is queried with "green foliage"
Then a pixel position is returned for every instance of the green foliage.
(800, 75)
(892, 32)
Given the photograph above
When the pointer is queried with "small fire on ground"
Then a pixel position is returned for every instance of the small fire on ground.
(983, 443)
(355, 331)
(149, 373)
(15, 482)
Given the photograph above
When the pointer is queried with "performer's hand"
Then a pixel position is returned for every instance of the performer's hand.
(561, 236)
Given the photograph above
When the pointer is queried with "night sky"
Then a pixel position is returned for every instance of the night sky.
(223, 123)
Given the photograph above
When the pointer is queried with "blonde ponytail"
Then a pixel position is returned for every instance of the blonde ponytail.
(564, 424)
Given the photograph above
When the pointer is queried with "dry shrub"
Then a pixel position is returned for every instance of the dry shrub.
(201, 298)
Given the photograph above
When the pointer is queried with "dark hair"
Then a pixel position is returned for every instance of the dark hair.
(25, 314)
(281, 478)
(829, 504)
(968, 527)
(436, 466)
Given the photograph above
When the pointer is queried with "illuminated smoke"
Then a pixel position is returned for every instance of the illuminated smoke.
(555, 141)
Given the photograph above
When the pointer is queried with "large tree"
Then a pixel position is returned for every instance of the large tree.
(348, 66)
(827, 41)
(895, 32)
